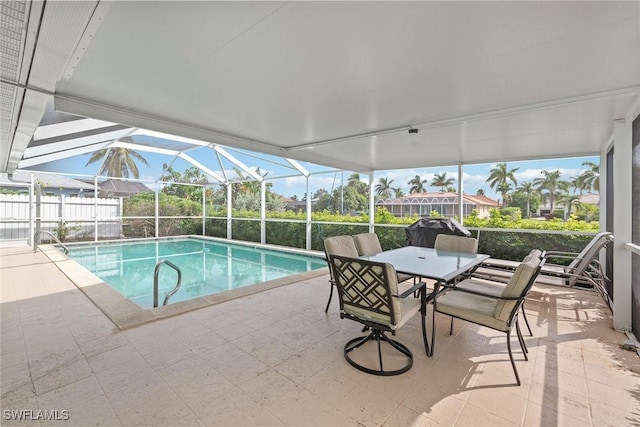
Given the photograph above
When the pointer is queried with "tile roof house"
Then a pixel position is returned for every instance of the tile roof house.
(445, 203)
(51, 183)
(119, 188)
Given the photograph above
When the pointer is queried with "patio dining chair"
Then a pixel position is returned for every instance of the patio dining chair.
(369, 244)
(452, 243)
(495, 287)
(486, 309)
(337, 245)
(369, 295)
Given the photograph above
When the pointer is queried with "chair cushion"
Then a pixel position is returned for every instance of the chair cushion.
(448, 242)
(470, 307)
(516, 287)
(367, 244)
(486, 286)
(340, 245)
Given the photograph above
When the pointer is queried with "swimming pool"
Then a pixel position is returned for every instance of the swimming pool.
(208, 267)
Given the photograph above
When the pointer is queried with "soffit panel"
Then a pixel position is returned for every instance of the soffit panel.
(307, 71)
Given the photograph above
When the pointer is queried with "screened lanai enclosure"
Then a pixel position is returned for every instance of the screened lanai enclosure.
(350, 86)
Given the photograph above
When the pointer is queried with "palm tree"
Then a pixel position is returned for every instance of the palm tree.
(169, 174)
(570, 201)
(527, 189)
(397, 192)
(480, 192)
(499, 176)
(505, 189)
(118, 162)
(441, 180)
(590, 179)
(383, 188)
(417, 184)
(354, 179)
(551, 186)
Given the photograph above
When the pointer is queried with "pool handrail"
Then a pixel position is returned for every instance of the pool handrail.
(156, 271)
(53, 236)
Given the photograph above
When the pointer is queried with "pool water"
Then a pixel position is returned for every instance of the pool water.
(207, 267)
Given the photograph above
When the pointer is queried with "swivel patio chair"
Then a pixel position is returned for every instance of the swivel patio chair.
(369, 244)
(369, 295)
(486, 309)
(337, 245)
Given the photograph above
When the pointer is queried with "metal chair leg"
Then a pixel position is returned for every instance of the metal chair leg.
(513, 363)
(523, 345)
(526, 321)
(329, 302)
(378, 336)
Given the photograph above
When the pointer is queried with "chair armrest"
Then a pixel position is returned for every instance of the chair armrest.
(553, 253)
(413, 289)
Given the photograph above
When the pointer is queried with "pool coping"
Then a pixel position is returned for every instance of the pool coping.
(126, 314)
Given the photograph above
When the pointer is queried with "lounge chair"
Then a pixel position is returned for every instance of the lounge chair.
(369, 295)
(583, 270)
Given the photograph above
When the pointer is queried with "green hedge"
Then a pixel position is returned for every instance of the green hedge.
(513, 245)
(517, 244)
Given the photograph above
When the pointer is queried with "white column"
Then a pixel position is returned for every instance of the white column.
(308, 211)
(263, 212)
(157, 213)
(460, 193)
(95, 208)
(204, 211)
(229, 207)
(32, 222)
(622, 207)
(372, 204)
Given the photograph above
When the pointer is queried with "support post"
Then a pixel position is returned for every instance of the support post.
(32, 224)
(308, 217)
(263, 212)
(204, 211)
(372, 204)
(157, 214)
(229, 207)
(95, 209)
(622, 209)
(460, 193)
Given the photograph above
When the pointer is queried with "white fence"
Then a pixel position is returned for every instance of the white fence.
(80, 217)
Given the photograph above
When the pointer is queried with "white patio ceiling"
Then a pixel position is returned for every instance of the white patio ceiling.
(334, 83)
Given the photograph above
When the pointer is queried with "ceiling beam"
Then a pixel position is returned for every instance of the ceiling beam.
(202, 167)
(237, 162)
(38, 160)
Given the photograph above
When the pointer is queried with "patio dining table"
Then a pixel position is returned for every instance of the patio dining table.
(441, 266)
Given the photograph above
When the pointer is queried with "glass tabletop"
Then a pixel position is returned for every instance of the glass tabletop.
(428, 262)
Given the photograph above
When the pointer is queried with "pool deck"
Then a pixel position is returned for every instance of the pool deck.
(275, 358)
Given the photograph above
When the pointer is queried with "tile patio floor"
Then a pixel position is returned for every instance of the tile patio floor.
(275, 358)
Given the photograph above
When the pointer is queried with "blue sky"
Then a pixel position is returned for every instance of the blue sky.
(474, 175)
